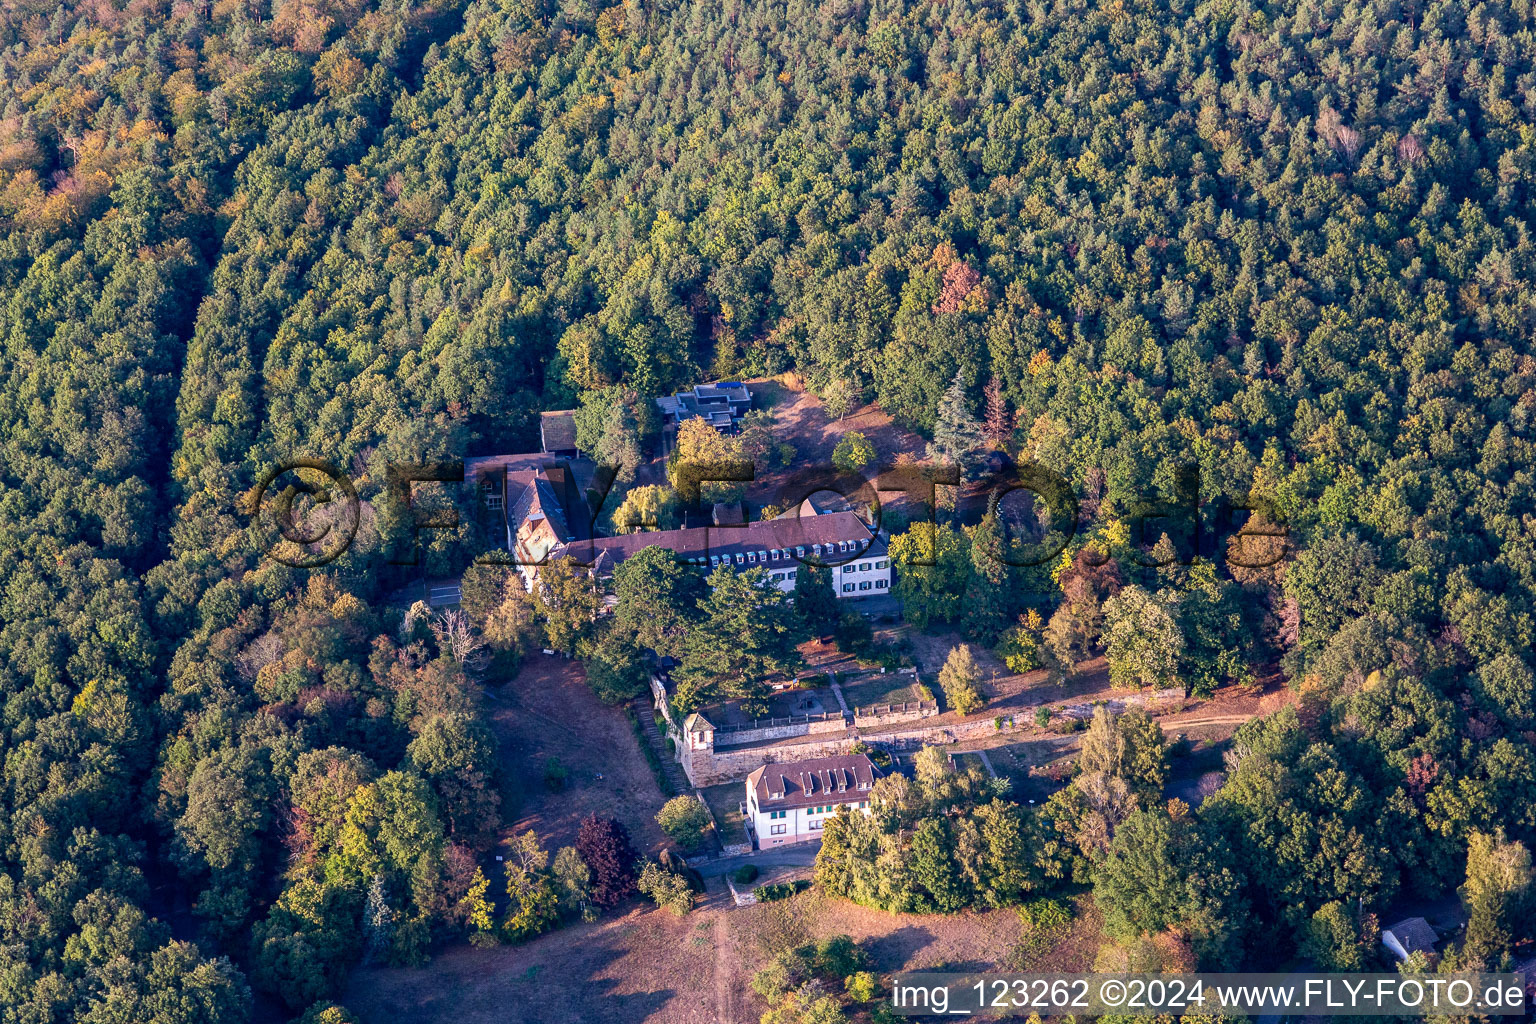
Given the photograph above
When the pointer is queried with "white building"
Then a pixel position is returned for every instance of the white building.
(546, 516)
(857, 556)
(788, 803)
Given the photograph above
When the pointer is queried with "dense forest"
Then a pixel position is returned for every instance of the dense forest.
(1288, 241)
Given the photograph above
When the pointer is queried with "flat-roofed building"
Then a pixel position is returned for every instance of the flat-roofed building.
(720, 405)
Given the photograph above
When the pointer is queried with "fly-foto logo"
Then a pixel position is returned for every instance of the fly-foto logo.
(312, 510)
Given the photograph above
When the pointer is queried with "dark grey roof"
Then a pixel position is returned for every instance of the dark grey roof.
(1414, 933)
(558, 430)
(717, 403)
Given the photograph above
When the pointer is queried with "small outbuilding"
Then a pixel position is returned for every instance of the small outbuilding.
(1408, 936)
(557, 432)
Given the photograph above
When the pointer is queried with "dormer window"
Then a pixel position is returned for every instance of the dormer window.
(762, 556)
(739, 559)
(799, 552)
(492, 495)
(816, 549)
(751, 557)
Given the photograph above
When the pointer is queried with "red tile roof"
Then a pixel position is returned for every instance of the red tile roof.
(785, 535)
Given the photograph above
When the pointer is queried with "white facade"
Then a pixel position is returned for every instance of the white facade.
(794, 824)
(864, 577)
(868, 575)
(790, 802)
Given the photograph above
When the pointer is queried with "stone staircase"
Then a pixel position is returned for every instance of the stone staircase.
(647, 717)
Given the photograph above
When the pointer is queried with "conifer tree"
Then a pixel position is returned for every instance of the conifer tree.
(957, 435)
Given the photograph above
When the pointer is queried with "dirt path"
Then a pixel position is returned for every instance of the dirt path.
(725, 971)
(1192, 723)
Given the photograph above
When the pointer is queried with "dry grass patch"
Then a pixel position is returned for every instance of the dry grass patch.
(546, 712)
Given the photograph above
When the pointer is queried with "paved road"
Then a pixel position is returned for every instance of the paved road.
(1297, 979)
(800, 855)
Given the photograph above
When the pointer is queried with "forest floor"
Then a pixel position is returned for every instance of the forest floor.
(547, 711)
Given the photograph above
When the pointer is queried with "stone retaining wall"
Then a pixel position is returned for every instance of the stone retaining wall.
(769, 733)
(710, 767)
(911, 713)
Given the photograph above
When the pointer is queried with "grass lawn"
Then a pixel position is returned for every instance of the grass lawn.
(646, 966)
(725, 803)
(966, 760)
(548, 711)
(878, 689)
(1014, 760)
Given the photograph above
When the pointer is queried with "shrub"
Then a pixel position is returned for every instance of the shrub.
(1042, 716)
(854, 633)
(862, 986)
(839, 956)
(1045, 913)
(780, 890)
(605, 847)
(327, 1013)
(744, 874)
(670, 891)
(555, 775)
(685, 820)
(853, 452)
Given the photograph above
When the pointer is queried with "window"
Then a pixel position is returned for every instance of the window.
(847, 587)
(762, 556)
(778, 576)
(714, 559)
(752, 557)
(774, 554)
(816, 550)
(739, 559)
(793, 573)
(883, 564)
(777, 830)
(799, 552)
(864, 585)
(847, 568)
(815, 824)
(879, 584)
(776, 814)
(863, 567)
